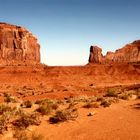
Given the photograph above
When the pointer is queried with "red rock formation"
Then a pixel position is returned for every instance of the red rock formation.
(18, 46)
(95, 54)
(129, 53)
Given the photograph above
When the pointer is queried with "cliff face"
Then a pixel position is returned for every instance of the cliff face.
(129, 53)
(18, 46)
(95, 54)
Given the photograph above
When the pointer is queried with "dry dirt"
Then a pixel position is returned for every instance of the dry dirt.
(31, 82)
(118, 122)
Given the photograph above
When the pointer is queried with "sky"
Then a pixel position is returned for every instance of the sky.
(67, 28)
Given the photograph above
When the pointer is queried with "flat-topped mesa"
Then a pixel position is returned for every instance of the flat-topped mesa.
(18, 46)
(129, 53)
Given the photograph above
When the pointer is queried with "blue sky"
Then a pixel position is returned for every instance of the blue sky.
(67, 28)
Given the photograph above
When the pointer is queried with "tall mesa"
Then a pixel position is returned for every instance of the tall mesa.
(18, 46)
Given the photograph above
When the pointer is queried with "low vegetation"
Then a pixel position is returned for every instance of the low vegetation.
(91, 105)
(8, 98)
(64, 115)
(106, 103)
(27, 104)
(20, 135)
(45, 108)
(19, 116)
(25, 135)
(27, 119)
(111, 93)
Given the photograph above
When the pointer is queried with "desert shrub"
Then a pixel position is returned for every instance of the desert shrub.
(64, 115)
(23, 135)
(113, 100)
(72, 105)
(95, 105)
(39, 102)
(27, 104)
(106, 103)
(62, 102)
(125, 95)
(69, 99)
(20, 135)
(111, 93)
(26, 119)
(4, 120)
(131, 92)
(8, 98)
(83, 98)
(100, 98)
(93, 98)
(91, 105)
(45, 101)
(54, 106)
(47, 108)
(44, 109)
(128, 94)
(36, 136)
(4, 108)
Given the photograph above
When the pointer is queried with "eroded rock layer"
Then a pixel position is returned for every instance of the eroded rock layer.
(18, 46)
(129, 53)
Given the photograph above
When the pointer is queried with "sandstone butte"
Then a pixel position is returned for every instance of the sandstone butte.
(128, 54)
(18, 46)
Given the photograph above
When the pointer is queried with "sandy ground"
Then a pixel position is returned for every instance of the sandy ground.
(118, 122)
(57, 82)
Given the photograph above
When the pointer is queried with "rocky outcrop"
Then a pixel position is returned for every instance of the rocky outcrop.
(129, 53)
(95, 54)
(18, 46)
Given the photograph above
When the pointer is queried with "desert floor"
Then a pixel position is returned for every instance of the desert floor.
(119, 121)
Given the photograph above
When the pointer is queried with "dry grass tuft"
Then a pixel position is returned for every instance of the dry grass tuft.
(64, 115)
(91, 105)
(27, 104)
(26, 119)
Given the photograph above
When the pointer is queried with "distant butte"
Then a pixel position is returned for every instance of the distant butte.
(129, 53)
(18, 46)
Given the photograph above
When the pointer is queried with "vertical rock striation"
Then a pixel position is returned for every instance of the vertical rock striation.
(18, 46)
